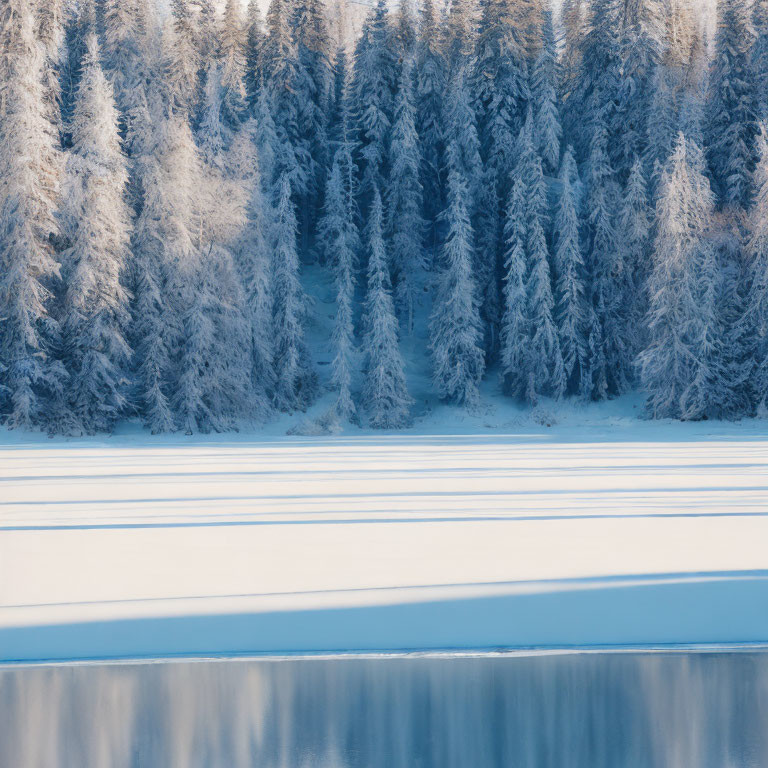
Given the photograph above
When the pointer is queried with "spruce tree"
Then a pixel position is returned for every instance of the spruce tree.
(95, 307)
(456, 337)
(385, 393)
(635, 223)
(233, 66)
(296, 383)
(544, 82)
(430, 89)
(253, 259)
(732, 120)
(611, 360)
(340, 241)
(373, 89)
(680, 364)
(573, 310)
(404, 225)
(29, 185)
(757, 255)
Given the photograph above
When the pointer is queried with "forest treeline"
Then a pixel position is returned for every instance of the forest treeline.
(580, 201)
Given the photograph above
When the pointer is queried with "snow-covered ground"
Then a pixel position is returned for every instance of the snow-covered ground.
(599, 529)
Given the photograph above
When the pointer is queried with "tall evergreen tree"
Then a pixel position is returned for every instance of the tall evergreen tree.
(404, 225)
(254, 44)
(29, 184)
(430, 89)
(611, 364)
(455, 332)
(544, 82)
(373, 89)
(233, 66)
(385, 392)
(757, 254)
(96, 303)
(340, 241)
(682, 361)
(253, 258)
(532, 363)
(296, 383)
(732, 120)
(573, 308)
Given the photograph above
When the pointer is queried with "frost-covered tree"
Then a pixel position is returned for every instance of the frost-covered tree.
(757, 255)
(430, 89)
(680, 364)
(732, 119)
(760, 56)
(404, 223)
(642, 40)
(80, 23)
(213, 134)
(95, 305)
(340, 241)
(29, 184)
(532, 364)
(611, 359)
(459, 36)
(373, 88)
(50, 35)
(544, 81)
(460, 128)
(635, 223)
(296, 383)
(573, 308)
(501, 88)
(593, 97)
(232, 48)
(514, 332)
(456, 338)
(183, 61)
(385, 392)
(254, 43)
(254, 262)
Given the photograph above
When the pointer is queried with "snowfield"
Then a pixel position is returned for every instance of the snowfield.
(608, 531)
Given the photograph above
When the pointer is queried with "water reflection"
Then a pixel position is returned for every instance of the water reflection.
(629, 710)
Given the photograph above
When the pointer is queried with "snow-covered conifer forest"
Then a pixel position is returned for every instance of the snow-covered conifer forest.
(209, 216)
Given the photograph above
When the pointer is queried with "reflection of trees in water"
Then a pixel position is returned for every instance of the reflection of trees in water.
(552, 711)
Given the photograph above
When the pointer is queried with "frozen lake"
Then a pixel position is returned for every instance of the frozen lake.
(624, 533)
(576, 710)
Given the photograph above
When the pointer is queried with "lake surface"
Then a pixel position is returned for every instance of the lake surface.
(555, 710)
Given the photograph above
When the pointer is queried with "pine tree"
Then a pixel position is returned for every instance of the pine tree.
(296, 383)
(385, 393)
(340, 241)
(29, 183)
(456, 336)
(732, 119)
(96, 303)
(679, 365)
(405, 226)
(460, 31)
(759, 62)
(573, 309)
